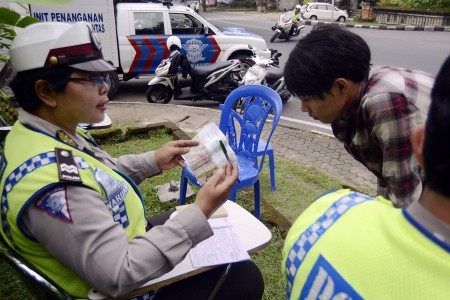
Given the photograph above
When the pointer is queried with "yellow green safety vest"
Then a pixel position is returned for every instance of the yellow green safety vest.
(295, 16)
(29, 168)
(351, 246)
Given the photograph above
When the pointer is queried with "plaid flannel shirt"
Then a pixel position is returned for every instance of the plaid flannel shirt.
(376, 129)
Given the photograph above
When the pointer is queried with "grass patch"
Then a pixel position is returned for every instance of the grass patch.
(11, 286)
(297, 187)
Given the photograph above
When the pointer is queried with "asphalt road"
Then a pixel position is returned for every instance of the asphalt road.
(421, 50)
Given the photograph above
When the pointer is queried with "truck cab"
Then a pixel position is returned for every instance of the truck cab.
(133, 35)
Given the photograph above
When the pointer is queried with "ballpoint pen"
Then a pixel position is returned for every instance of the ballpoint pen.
(224, 149)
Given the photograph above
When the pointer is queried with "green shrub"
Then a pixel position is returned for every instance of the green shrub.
(359, 19)
(417, 4)
(250, 3)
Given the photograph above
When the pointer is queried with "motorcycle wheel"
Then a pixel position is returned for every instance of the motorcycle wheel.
(229, 83)
(274, 36)
(239, 106)
(159, 93)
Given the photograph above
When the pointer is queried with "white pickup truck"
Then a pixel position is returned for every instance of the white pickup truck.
(133, 35)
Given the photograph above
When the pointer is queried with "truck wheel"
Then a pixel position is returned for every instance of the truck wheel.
(159, 93)
(114, 86)
(274, 36)
(246, 63)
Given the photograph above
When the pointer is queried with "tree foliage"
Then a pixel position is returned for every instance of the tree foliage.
(418, 4)
(9, 20)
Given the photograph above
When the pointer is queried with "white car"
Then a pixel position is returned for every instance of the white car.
(325, 11)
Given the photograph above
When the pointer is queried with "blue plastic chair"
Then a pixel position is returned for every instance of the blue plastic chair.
(243, 132)
(266, 148)
(263, 148)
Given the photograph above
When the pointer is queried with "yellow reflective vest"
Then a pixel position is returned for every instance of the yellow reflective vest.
(351, 246)
(29, 168)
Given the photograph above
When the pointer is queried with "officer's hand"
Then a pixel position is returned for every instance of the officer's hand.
(217, 189)
(169, 155)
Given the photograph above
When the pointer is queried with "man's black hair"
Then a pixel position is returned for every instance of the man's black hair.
(326, 53)
(437, 133)
(23, 84)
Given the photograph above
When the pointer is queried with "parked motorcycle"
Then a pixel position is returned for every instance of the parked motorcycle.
(264, 69)
(210, 82)
(282, 29)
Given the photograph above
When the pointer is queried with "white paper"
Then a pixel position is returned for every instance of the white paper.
(219, 222)
(222, 248)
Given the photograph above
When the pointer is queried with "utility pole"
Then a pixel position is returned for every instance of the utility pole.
(332, 11)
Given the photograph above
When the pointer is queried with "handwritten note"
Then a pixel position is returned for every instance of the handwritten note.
(223, 247)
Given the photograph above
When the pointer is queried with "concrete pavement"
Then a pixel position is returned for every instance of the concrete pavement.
(322, 152)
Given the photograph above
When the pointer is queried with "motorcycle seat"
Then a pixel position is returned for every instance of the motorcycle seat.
(274, 74)
(203, 71)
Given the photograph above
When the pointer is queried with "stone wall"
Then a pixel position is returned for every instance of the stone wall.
(410, 18)
(286, 4)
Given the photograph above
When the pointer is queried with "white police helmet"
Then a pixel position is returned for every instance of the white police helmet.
(298, 6)
(173, 40)
(50, 44)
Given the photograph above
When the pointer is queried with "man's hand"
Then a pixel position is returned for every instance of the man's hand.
(217, 189)
(169, 155)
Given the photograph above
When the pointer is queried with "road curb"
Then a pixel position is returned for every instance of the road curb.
(383, 27)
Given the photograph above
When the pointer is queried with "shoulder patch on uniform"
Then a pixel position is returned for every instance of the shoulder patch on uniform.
(116, 192)
(67, 168)
(55, 204)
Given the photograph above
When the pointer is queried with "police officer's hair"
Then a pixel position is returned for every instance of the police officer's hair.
(326, 53)
(23, 84)
(437, 132)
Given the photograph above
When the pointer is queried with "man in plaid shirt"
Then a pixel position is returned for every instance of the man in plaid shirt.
(372, 110)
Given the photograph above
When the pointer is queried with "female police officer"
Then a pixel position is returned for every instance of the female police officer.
(74, 211)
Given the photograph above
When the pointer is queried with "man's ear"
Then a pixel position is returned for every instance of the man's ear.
(45, 92)
(341, 84)
(417, 139)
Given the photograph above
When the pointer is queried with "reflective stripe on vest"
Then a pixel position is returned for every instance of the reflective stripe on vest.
(313, 233)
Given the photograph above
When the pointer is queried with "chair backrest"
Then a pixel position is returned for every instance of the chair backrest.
(259, 101)
(39, 285)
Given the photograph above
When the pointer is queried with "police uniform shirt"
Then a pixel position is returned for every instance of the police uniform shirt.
(96, 247)
(435, 226)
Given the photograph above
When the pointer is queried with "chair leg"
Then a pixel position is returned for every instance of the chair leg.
(183, 188)
(232, 196)
(257, 196)
(272, 171)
